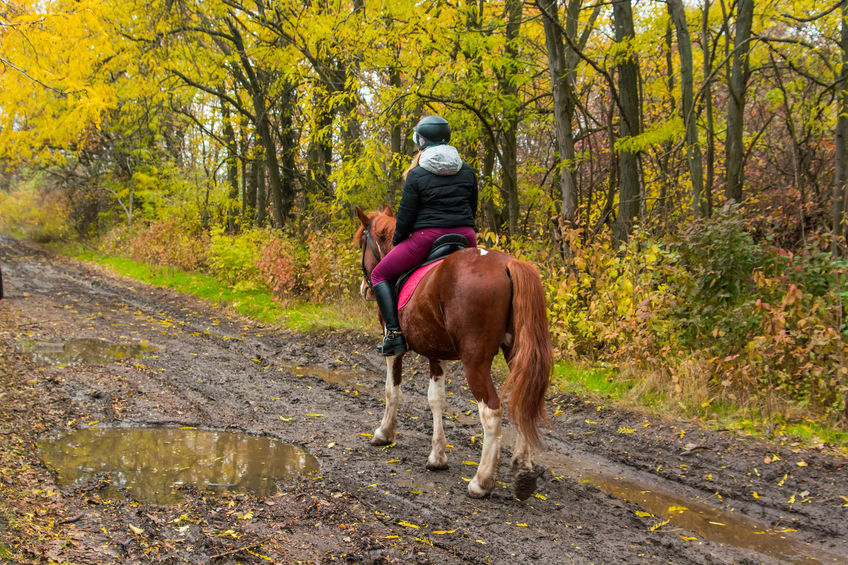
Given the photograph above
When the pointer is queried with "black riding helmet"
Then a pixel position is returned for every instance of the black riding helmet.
(431, 130)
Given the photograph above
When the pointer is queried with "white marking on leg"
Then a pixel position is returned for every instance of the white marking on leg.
(436, 398)
(482, 251)
(521, 457)
(484, 481)
(385, 434)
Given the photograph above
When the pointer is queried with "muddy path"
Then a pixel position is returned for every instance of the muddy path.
(616, 486)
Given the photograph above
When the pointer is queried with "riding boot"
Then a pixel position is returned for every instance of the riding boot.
(393, 342)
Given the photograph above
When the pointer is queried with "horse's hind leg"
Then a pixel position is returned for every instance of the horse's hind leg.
(491, 417)
(385, 434)
(524, 478)
(437, 461)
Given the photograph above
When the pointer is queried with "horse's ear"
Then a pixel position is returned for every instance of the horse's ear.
(363, 217)
(388, 211)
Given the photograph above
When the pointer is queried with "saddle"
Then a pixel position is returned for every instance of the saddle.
(441, 248)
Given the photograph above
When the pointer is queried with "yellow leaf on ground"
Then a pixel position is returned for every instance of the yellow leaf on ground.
(441, 532)
(643, 514)
(136, 530)
(409, 524)
(801, 463)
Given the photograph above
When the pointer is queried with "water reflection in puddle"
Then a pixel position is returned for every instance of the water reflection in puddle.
(80, 350)
(151, 463)
(709, 522)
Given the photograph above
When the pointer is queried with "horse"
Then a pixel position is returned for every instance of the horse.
(472, 305)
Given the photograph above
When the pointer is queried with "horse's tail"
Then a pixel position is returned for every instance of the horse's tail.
(532, 354)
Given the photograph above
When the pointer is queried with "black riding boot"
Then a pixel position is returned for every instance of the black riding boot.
(393, 343)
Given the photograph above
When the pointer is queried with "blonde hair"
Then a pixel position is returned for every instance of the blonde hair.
(413, 164)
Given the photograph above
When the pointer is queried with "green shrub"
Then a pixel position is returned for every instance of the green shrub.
(280, 266)
(232, 258)
(38, 215)
(168, 243)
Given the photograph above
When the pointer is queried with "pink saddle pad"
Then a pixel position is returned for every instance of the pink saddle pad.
(410, 286)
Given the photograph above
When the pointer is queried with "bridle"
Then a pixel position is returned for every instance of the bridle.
(368, 243)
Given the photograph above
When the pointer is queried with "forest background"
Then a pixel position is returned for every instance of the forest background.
(677, 171)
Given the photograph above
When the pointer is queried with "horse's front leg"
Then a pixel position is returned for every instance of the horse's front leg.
(437, 461)
(385, 434)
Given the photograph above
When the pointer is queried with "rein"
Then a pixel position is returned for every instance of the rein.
(369, 243)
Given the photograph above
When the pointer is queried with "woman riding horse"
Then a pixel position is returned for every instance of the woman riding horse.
(439, 197)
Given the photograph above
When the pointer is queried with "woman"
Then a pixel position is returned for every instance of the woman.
(439, 197)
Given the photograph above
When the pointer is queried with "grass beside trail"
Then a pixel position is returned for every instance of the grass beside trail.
(603, 384)
(255, 303)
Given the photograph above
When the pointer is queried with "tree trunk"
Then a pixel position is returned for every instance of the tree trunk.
(739, 73)
(396, 167)
(562, 79)
(708, 109)
(629, 200)
(229, 136)
(261, 193)
(693, 146)
(509, 92)
(840, 177)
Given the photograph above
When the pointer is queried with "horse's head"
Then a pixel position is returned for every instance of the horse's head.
(374, 237)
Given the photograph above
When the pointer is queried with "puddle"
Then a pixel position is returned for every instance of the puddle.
(82, 350)
(151, 463)
(708, 522)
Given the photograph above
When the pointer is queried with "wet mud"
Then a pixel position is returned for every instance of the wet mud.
(612, 487)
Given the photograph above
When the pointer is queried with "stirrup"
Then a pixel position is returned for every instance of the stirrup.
(393, 344)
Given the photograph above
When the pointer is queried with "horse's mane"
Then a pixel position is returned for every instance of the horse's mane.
(382, 227)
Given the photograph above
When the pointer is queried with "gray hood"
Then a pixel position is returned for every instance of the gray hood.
(442, 160)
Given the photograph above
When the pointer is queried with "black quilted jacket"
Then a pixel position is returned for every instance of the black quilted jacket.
(435, 201)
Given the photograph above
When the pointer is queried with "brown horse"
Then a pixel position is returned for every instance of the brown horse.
(471, 305)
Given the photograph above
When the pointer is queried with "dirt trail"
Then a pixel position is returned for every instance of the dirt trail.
(617, 487)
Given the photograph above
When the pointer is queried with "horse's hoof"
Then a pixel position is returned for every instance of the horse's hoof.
(476, 491)
(380, 440)
(525, 484)
(437, 466)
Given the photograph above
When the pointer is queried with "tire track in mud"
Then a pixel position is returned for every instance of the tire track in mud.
(215, 370)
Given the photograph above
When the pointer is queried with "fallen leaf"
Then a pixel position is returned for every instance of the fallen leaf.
(655, 527)
(688, 538)
(783, 480)
(677, 509)
(801, 463)
(441, 532)
(136, 530)
(755, 495)
(643, 514)
(409, 524)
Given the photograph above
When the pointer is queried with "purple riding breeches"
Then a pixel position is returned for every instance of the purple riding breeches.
(413, 250)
